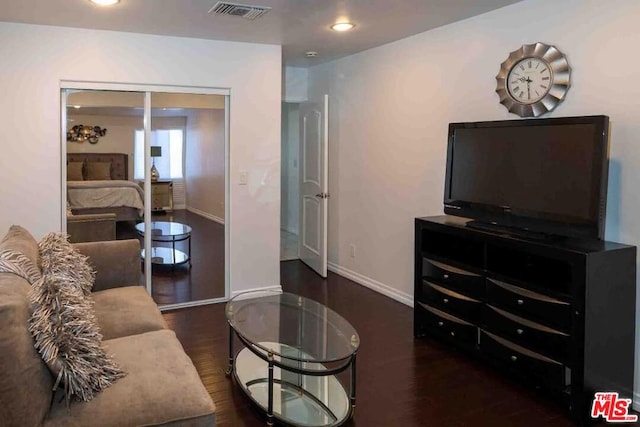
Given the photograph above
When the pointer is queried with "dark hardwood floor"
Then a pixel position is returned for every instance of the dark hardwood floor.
(401, 381)
(205, 278)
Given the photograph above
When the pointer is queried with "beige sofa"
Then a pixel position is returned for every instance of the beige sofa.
(162, 386)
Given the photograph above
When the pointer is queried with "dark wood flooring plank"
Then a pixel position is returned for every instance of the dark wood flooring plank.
(401, 381)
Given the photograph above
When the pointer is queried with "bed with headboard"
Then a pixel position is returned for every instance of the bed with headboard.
(99, 183)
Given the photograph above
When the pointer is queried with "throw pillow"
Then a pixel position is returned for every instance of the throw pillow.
(98, 171)
(74, 171)
(68, 338)
(12, 261)
(58, 256)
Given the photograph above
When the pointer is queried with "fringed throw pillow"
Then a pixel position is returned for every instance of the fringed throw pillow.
(58, 256)
(64, 325)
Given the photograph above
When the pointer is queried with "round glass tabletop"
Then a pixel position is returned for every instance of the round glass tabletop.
(165, 230)
(308, 330)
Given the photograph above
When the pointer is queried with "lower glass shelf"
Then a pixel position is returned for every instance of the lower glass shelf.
(166, 256)
(299, 400)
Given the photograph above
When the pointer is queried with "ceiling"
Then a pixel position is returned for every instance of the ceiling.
(298, 25)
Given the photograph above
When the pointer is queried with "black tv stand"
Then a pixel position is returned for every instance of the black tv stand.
(514, 231)
(560, 316)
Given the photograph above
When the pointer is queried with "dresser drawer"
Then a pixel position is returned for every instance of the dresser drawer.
(535, 336)
(529, 304)
(464, 281)
(161, 189)
(460, 305)
(540, 369)
(449, 327)
(158, 202)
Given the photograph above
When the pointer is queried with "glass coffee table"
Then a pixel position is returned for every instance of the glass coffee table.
(293, 349)
(169, 232)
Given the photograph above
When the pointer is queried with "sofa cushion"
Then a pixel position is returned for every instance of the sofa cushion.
(116, 262)
(162, 387)
(67, 335)
(25, 381)
(20, 240)
(126, 311)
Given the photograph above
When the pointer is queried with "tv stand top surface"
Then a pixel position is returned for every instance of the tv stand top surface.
(514, 232)
(570, 243)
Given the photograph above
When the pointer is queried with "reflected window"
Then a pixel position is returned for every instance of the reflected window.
(168, 159)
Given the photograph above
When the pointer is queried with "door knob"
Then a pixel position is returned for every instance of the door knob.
(322, 195)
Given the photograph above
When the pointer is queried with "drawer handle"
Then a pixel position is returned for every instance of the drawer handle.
(519, 331)
(440, 323)
(445, 300)
(520, 302)
(514, 358)
(446, 276)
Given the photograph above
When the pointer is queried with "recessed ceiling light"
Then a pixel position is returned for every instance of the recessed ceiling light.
(311, 54)
(342, 26)
(105, 2)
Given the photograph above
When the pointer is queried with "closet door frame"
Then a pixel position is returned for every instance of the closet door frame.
(148, 90)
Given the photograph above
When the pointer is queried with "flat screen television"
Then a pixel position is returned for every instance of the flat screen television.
(546, 176)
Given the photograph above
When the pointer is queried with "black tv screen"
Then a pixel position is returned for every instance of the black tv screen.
(540, 175)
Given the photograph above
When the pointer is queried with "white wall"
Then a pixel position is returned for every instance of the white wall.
(37, 58)
(390, 107)
(119, 137)
(204, 163)
(294, 84)
(289, 174)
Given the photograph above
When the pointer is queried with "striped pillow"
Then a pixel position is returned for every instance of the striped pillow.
(12, 261)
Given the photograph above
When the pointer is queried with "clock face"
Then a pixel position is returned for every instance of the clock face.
(529, 80)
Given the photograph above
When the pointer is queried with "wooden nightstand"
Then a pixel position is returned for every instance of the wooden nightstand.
(161, 196)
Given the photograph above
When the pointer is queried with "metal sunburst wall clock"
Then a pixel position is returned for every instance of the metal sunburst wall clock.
(533, 80)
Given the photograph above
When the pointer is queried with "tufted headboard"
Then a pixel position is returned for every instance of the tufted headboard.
(119, 162)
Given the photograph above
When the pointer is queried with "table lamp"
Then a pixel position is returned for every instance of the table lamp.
(155, 152)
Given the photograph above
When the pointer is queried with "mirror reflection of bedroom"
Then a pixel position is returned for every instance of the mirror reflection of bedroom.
(105, 184)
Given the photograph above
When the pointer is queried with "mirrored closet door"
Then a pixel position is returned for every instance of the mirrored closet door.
(173, 154)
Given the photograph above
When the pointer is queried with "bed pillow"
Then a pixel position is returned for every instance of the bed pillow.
(98, 171)
(74, 171)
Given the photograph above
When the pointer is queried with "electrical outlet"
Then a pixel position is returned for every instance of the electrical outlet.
(352, 250)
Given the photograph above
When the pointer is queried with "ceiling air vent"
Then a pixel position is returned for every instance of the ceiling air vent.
(246, 11)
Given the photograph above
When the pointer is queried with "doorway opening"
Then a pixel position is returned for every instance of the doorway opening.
(290, 181)
(305, 181)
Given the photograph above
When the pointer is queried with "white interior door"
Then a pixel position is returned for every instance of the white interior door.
(314, 155)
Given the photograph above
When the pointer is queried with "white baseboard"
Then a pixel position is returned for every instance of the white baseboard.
(636, 401)
(179, 207)
(372, 284)
(206, 215)
(269, 289)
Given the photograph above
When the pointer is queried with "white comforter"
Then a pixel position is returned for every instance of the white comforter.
(104, 194)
